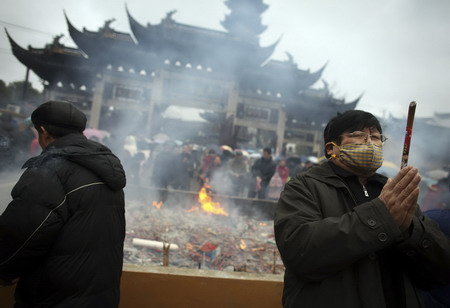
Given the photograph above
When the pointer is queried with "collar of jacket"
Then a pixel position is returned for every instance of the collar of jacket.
(326, 174)
(376, 177)
(56, 148)
(66, 141)
(45, 155)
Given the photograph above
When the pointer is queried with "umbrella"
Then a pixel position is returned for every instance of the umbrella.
(313, 159)
(161, 138)
(244, 152)
(437, 174)
(391, 165)
(226, 148)
(214, 147)
(255, 155)
(96, 134)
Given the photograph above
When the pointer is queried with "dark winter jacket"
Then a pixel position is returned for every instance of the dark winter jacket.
(439, 298)
(265, 169)
(63, 233)
(329, 246)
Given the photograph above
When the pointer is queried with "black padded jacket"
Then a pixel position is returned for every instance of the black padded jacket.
(62, 234)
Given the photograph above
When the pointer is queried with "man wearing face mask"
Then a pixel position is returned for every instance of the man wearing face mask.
(350, 237)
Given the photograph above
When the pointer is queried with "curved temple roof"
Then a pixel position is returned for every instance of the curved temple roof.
(224, 52)
(54, 63)
(320, 104)
(198, 45)
(105, 46)
(281, 77)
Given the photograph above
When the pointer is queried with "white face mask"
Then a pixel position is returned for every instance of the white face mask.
(362, 158)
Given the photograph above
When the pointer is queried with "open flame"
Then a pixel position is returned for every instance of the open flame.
(207, 204)
(193, 209)
(158, 204)
(242, 245)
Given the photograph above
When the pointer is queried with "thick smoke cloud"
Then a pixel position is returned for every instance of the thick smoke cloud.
(7, 181)
(394, 52)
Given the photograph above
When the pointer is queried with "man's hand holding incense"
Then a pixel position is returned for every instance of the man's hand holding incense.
(400, 196)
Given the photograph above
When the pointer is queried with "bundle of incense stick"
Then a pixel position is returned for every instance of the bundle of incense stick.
(409, 126)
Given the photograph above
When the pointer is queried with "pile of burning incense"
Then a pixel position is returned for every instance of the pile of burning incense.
(199, 240)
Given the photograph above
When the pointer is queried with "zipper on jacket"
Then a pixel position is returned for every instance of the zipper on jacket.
(366, 193)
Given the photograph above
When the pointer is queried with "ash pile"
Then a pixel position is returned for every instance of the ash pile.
(204, 237)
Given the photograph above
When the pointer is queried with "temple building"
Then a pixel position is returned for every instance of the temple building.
(130, 80)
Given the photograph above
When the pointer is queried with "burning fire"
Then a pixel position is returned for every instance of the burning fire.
(158, 205)
(193, 209)
(207, 204)
(242, 245)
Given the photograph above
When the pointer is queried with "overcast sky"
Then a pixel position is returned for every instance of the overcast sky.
(392, 51)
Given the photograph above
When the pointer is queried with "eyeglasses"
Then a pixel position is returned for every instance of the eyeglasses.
(363, 137)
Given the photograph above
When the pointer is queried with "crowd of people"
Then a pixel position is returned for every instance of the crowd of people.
(17, 141)
(226, 171)
(437, 195)
(170, 164)
(188, 166)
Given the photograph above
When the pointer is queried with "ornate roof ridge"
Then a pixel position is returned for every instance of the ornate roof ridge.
(105, 31)
(54, 47)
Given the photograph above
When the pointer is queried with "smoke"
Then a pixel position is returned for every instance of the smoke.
(428, 151)
(377, 48)
(7, 181)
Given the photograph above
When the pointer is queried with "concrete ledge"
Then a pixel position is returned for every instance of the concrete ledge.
(7, 297)
(157, 286)
(175, 287)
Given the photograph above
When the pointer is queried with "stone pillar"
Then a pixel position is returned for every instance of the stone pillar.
(48, 94)
(318, 143)
(97, 101)
(231, 108)
(156, 98)
(281, 126)
(233, 95)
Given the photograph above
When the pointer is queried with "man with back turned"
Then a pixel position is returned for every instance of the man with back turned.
(62, 234)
